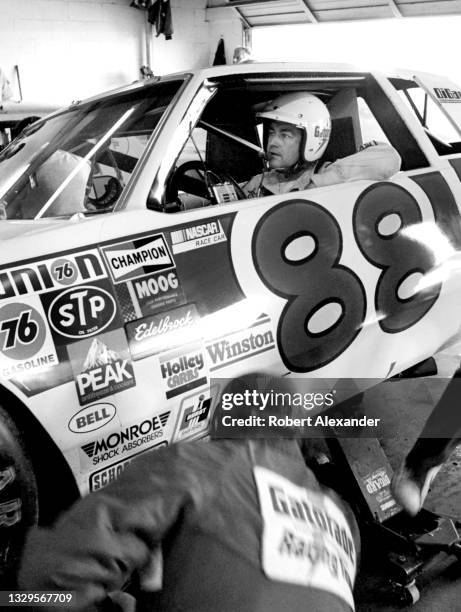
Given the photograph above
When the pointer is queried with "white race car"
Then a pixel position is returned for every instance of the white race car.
(133, 271)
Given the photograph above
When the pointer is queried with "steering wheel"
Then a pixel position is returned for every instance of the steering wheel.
(196, 178)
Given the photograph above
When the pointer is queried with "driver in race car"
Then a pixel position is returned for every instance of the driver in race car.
(298, 130)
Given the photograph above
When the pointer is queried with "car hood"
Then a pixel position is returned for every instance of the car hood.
(12, 229)
(23, 240)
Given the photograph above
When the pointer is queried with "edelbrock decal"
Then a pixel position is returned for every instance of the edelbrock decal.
(92, 418)
(161, 332)
(81, 311)
(134, 258)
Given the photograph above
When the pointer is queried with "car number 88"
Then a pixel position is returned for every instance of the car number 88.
(318, 280)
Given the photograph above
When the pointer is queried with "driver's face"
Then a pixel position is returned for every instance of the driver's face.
(283, 144)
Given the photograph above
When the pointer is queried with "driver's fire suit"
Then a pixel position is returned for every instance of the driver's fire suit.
(375, 161)
(244, 526)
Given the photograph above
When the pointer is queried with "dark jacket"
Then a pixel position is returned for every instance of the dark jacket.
(217, 527)
(159, 15)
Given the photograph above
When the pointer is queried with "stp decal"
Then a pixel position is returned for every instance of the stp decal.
(133, 258)
(82, 311)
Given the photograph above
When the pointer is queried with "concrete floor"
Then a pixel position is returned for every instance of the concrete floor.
(406, 404)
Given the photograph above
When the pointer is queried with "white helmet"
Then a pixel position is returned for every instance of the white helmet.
(306, 112)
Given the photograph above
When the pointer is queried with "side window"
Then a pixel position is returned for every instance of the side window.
(220, 155)
(381, 120)
(369, 126)
(438, 128)
(113, 166)
(195, 147)
(187, 184)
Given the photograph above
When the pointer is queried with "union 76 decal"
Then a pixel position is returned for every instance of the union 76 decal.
(384, 216)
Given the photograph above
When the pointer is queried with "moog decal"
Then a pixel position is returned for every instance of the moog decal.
(156, 292)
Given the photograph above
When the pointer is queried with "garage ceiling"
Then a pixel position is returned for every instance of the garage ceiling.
(281, 12)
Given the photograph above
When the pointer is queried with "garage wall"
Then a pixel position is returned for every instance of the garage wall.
(70, 49)
(196, 35)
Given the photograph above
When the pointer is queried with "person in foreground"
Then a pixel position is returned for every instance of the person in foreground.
(298, 131)
(244, 526)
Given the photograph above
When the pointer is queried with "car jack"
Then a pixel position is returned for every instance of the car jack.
(411, 546)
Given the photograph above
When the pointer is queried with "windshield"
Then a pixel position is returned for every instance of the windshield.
(81, 159)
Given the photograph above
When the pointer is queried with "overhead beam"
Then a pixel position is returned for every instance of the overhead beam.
(394, 8)
(242, 17)
(236, 4)
(309, 13)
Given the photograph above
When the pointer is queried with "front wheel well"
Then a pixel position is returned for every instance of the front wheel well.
(56, 484)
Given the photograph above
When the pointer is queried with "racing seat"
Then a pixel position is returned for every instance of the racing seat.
(342, 140)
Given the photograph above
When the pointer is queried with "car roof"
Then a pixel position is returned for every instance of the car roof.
(233, 69)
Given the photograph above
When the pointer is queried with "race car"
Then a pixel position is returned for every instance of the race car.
(134, 274)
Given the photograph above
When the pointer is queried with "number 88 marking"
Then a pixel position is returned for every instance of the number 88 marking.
(399, 253)
(309, 284)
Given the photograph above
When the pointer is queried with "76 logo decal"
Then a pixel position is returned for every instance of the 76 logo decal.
(22, 331)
